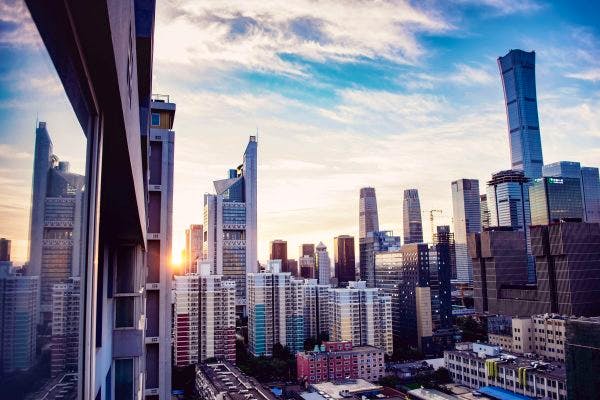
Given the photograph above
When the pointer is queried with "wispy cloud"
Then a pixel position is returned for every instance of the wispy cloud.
(16, 26)
(587, 75)
(506, 7)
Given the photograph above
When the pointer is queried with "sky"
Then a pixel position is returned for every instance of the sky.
(343, 94)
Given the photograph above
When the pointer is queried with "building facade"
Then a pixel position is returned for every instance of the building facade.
(517, 70)
(344, 260)
(323, 264)
(368, 222)
(375, 242)
(466, 215)
(64, 344)
(193, 248)
(411, 217)
(485, 211)
(230, 224)
(307, 268)
(583, 358)
(554, 199)
(278, 251)
(317, 305)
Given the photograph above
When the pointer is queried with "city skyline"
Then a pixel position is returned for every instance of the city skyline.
(267, 97)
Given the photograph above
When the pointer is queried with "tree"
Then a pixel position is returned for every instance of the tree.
(473, 329)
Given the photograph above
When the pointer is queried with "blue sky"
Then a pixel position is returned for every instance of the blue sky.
(344, 94)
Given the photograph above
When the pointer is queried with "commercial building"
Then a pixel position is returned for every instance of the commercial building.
(344, 260)
(375, 242)
(307, 268)
(334, 361)
(230, 224)
(18, 321)
(306, 249)
(478, 365)
(4, 249)
(466, 214)
(485, 211)
(555, 199)
(582, 352)
(411, 217)
(441, 273)
(323, 264)
(102, 53)
(368, 222)
(278, 251)
(194, 243)
(54, 234)
(223, 381)
(361, 315)
(66, 310)
(517, 69)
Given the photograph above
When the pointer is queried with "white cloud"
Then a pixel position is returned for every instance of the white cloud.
(10, 152)
(17, 26)
(587, 75)
(506, 7)
(471, 76)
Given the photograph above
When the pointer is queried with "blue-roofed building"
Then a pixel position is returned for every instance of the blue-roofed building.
(502, 394)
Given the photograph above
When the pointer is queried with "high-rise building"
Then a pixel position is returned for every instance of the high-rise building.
(316, 309)
(509, 205)
(293, 267)
(411, 217)
(582, 349)
(374, 242)
(368, 219)
(344, 261)
(467, 219)
(18, 322)
(362, 316)
(589, 181)
(275, 312)
(4, 249)
(554, 199)
(517, 70)
(161, 152)
(278, 251)
(64, 345)
(193, 248)
(443, 244)
(306, 266)
(323, 264)
(485, 211)
(306, 249)
(230, 224)
(55, 207)
(186, 329)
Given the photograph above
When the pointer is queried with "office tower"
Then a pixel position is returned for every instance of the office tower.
(467, 219)
(278, 251)
(554, 199)
(306, 249)
(368, 219)
(275, 312)
(411, 217)
(306, 266)
(316, 309)
(193, 248)
(485, 211)
(362, 316)
(517, 70)
(509, 205)
(18, 321)
(4, 249)
(293, 267)
(323, 264)
(230, 224)
(64, 344)
(374, 242)
(161, 149)
(107, 78)
(55, 207)
(582, 348)
(343, 256)
(589, 181)
(443, 244)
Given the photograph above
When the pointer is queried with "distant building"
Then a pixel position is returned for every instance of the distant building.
(411, 217)
(323, 264)
(368, 221)
(278, 251)
(193, 248)
(224, 381)
(317, 304)
(306, 249)
(375, 242)
(64, 344)
(517, 69)
(443, 243)
(18, 322)
(467, 219)
(306, 265)
(293, 267)
(230, 241)
(583, 358)
(4, 249)
(555, 199)
(485, 211)
(344, 260)
(335, 361)
(361, 315)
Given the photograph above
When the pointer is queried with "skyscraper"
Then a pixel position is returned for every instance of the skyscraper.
(553, 199)
(517, 70)
(443, 244)
(4, 249)
(161, 155)
(316, 309)
(411, 217)
(306, 249)
(64, 345)
(193, 248)
(306, 266)
(368, 219)
(343, 255)
(485, 211)
(278, 251)
(467, 219)
(230, 224)
(323, 264)
(56, 205)
(374, 242)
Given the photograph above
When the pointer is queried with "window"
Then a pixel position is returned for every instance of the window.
(124, 379)
(124, 310)
(155, 119)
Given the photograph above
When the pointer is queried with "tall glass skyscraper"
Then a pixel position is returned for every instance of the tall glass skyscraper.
(368, 222)
(517, 69)
(413, 226)
(555, 199)
(467, 219)
(369, 246)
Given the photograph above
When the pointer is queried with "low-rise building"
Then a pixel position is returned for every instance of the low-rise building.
(224, 381)
(477, 365)
(340, 360)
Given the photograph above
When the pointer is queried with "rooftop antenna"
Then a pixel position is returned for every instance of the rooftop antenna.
(257, 133)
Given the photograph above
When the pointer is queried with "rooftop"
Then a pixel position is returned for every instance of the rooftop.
(233, 383)
(334, 390)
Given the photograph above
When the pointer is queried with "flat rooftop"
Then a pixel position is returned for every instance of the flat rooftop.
(352, 387)
(233, 383)
(430, 394)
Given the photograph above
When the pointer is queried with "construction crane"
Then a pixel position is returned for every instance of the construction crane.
(431, 213)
